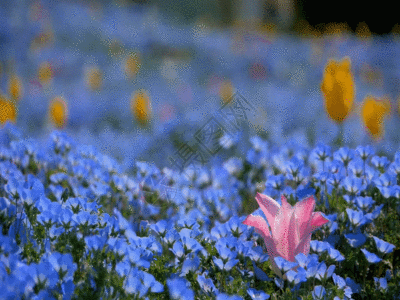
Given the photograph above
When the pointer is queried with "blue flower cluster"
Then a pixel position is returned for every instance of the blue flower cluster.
(73, 224)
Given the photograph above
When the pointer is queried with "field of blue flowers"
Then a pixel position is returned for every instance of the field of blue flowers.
(96, 100)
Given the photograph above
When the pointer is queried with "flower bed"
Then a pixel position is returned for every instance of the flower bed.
(75, 226)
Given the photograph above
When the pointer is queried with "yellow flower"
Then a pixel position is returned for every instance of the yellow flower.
(373, 112)
(8, 111)
(45, 73)
(338, 89)
(140, 105)
(15, 88)
(132, 65)
(226, 91)
(58, 112)
(94, 78)
(336, 29)
(363, 31)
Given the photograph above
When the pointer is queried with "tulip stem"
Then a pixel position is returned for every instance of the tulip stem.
(339, 139)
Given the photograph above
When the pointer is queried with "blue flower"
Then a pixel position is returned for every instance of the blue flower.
(356, 167)
(364, 202)
(227, 297)
(382, 282)
(260, 274)
(139, 282)
(283, 264)
(371, 257)
(345, 155)
(318, 292)
(380, 162)
(356, 217)
(190, 265)
(319, 246)
(322, 152)
(355, 240)
(335, 254)
(323, 272)
(364, 152)
(383, 247)
(257, 295)
(353, 185)
(179, 288)
(207, 284)
(225, 266)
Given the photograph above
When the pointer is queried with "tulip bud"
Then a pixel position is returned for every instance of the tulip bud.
(15, 88)
(7, 110)
(338, 89)
(58, 112)
(45, 73)
(94, 78)
(132, 65)
(140, 105)
(373, 113)
(226, 91)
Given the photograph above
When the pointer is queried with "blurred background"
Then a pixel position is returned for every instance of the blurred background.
(138, 79)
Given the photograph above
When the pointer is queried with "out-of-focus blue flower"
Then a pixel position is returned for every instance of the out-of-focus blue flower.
(319, 246)
(323, 272)
(283, 264)
(190, 265)
(355, 287)
(364, 152)
(233, 165)
(364, 202)
(356, 217)
(63, 263)
(322, 152)
(207, 284)
(355, 240)
(356, 167)
(260, 274)
(353, 185)
(318, 292)
(257, 295)
(380, 162)
(225, 266)
(276, 182)
(179, 288)
(345, 155)
(257, 254)
(382, 246)
(371, 257)
(227, 297)
(381, 283)
(335, 254)
(139, 282)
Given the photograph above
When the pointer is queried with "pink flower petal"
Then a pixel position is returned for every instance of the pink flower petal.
(303, 211)
(317, 220)
(269, 207)
(261, 227)
(284, 231)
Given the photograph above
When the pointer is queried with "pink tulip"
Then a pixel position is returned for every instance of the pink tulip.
(291, 227)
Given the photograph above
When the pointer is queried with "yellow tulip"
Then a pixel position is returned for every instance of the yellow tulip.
(58, 112)
(336, 28)
(8, 111)
(338, 89)
(15, 88)
(141, 108)
(226, 91)
(132, 65)
(45, 73)
(373, 113)
(94, 78)
(363, 31)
